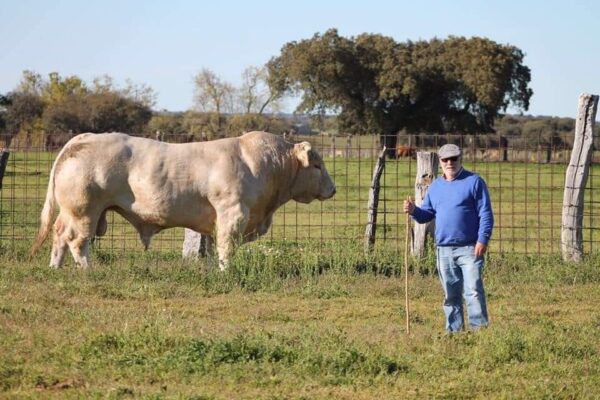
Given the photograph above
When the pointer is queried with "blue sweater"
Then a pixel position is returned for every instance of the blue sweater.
(462, 210)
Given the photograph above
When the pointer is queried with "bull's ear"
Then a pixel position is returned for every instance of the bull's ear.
(302, 152)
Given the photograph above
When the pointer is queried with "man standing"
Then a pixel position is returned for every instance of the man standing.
(460, 203)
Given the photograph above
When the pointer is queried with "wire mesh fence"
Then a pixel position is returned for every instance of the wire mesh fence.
(525, 179)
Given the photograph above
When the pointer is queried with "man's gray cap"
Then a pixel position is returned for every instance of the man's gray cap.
(449, 150)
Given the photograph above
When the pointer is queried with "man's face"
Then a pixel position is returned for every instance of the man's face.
(451, 166)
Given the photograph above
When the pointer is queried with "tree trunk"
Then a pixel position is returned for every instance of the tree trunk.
(374, 202)
(427, 167)
(576, 179)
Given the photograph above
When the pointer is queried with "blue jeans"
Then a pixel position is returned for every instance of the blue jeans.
(460, 272)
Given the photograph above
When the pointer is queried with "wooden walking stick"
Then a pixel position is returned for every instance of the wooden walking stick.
(406, 250)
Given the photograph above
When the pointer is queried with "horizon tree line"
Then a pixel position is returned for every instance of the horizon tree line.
(369, 83)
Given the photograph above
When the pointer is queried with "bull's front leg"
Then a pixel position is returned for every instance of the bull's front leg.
(231, 224)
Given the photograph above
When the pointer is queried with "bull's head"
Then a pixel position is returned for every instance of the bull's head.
(313, 180)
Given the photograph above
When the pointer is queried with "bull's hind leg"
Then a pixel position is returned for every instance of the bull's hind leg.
(59, 243)
(80, 247)
(82, 231)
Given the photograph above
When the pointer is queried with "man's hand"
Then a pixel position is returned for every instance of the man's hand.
(409, 206)
(480, 249)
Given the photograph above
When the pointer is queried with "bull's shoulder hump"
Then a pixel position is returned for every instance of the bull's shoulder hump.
(261, 139)
(254, 135)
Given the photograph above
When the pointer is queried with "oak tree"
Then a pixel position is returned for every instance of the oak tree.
(377, 85)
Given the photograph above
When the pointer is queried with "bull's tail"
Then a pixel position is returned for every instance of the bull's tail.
(48, 210)
(46, 216)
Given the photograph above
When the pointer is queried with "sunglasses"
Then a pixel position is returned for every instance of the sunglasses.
(449, 159)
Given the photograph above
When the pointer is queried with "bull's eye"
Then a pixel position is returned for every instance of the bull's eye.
(318, 166)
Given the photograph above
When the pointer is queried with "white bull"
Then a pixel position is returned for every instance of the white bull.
(227, 188)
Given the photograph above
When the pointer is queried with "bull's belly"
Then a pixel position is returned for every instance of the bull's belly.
(200, 218)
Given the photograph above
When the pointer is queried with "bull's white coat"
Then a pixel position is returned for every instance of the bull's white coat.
(227, 188)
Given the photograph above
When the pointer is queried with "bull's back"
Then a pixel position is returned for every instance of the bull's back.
(152, 180)
(94, 156)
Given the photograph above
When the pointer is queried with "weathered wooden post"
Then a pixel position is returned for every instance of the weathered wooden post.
(427, 167)
(3, 161)
(348, 145)
(333, 149)
(374, 202)
(576, 179)
(503, 148)
(195, 244)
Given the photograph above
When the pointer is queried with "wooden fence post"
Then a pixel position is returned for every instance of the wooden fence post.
(333, 149)
(348, 145)
(196, 244)
(427, 167)
(374, 202)
(3, 161)
(576, 179)
(503, 144)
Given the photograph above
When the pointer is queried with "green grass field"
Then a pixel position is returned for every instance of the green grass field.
(276, 326)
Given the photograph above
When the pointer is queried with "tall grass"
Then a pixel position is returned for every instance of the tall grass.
(292, 322)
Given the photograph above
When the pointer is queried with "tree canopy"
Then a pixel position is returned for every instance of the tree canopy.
(62, 106)
(377, 85)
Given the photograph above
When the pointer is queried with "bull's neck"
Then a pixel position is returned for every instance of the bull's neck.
(289, 175)
(282, 173)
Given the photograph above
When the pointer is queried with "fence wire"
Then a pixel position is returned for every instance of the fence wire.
(525, 179)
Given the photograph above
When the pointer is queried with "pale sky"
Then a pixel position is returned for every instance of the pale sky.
(163, 44)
